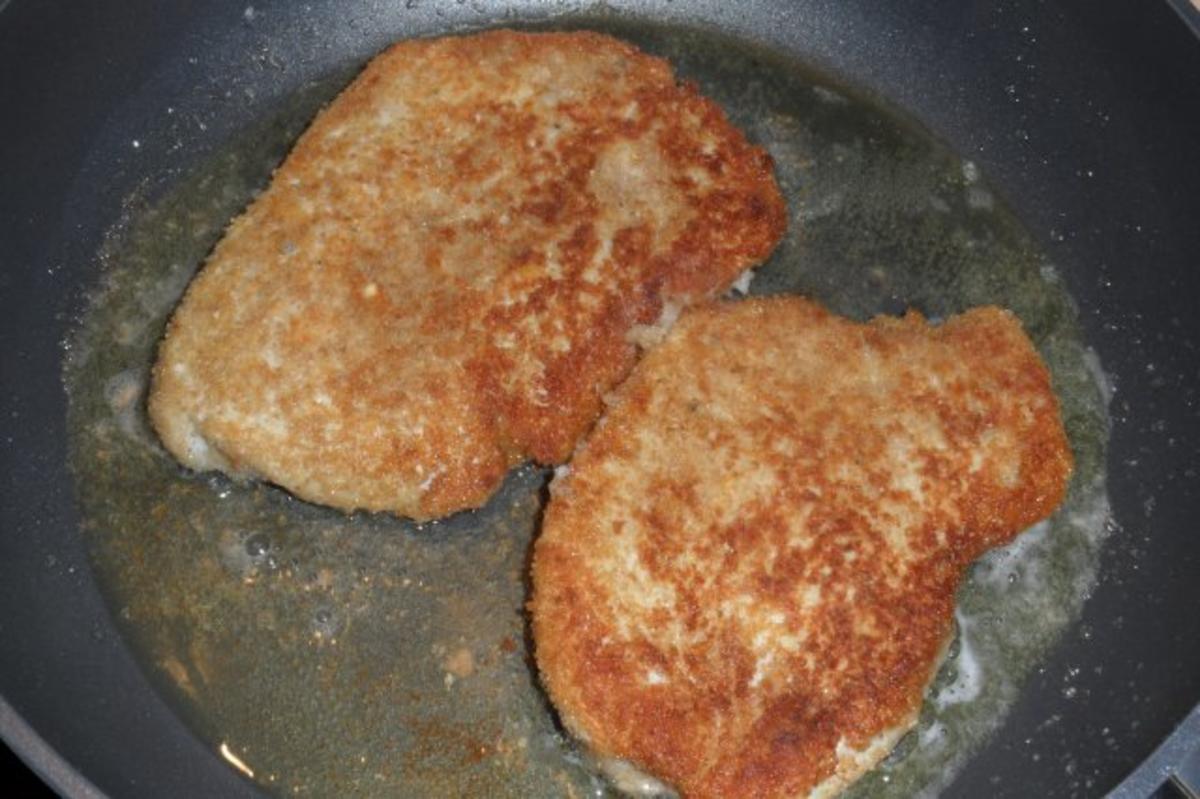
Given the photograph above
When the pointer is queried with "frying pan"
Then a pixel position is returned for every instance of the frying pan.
(1085, 116)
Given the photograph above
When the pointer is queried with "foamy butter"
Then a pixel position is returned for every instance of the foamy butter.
(631, 780)
(124, 392)
(742, 284)
(968, 683)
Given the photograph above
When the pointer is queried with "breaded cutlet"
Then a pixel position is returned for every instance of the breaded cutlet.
(746, 580)
(442, 277)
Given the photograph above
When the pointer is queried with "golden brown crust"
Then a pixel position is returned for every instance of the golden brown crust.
(749, 571)
(440, 279)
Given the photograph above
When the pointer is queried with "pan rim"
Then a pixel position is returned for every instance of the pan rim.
(1164, 763)
(42, 758)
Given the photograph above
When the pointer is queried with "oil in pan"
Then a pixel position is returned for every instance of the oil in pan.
(364, 655)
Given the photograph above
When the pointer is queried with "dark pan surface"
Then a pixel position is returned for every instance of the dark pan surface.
(1123, 237)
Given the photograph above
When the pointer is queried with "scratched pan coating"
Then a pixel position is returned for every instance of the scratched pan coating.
(366, 656)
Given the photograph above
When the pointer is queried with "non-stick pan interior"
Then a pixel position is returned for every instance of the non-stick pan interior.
(133, 102)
